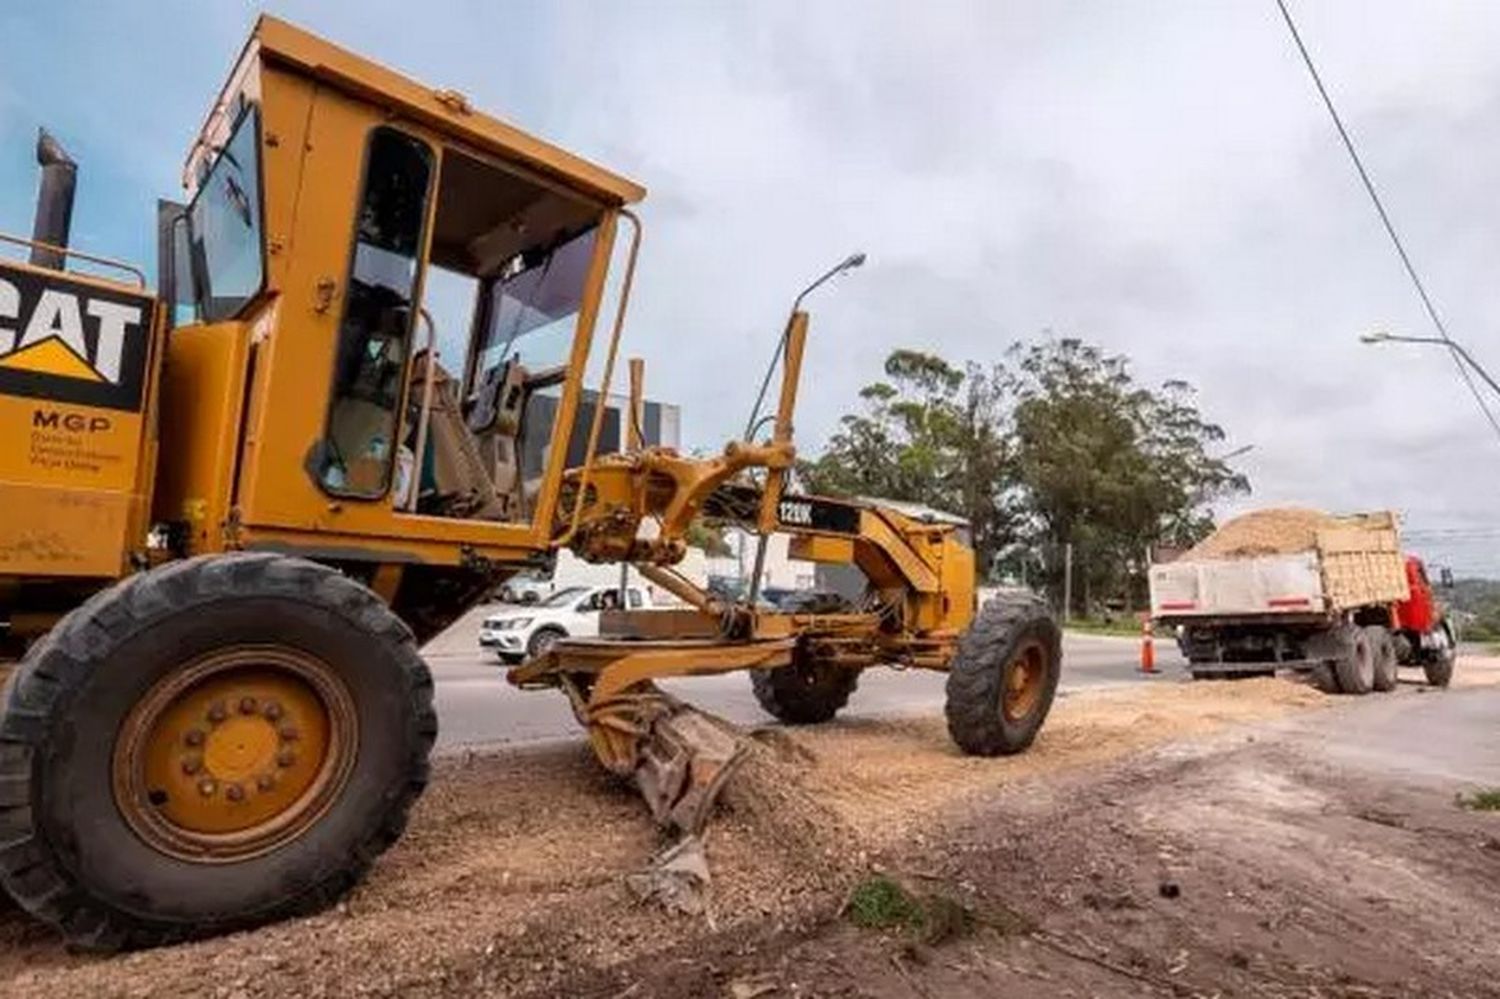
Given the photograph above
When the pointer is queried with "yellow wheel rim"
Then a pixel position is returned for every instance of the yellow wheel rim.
(1025, 677)
(235, 753)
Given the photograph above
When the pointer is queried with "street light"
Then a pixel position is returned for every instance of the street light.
(1237, 452)
(1380, 336)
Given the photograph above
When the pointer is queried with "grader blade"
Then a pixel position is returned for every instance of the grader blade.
(685, 761)
(680, 759)
(678, 756)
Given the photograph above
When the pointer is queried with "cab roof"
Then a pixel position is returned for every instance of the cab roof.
(444, 110)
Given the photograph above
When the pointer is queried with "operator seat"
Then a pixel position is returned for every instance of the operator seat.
(456, 480)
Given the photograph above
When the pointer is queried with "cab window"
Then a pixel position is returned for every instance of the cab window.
(224, 225)
(508, 265)
(375, 331)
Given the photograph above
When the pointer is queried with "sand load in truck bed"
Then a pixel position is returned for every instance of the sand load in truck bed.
(1279, 531)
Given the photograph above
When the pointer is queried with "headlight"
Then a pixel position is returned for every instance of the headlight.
(517, 623)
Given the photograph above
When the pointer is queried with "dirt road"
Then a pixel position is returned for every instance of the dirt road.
(1295, 866)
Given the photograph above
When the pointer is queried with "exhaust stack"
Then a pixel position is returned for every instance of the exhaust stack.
(54, 202)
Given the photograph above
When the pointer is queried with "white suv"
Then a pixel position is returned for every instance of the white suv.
(526, 631)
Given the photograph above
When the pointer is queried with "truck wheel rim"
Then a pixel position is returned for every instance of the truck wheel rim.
(234, 754)
(1024, 679)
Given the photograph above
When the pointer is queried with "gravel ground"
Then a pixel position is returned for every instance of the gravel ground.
(511, 878)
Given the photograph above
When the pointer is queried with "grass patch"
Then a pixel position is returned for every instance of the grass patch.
(922, 917)
(1125, 627)
(880, 903)
(1487, 800)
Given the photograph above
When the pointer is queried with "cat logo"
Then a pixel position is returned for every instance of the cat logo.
(71, 342)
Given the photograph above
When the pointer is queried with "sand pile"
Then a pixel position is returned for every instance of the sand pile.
(1277, 531)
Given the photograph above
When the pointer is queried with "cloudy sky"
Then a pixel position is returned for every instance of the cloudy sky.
(1157, 177)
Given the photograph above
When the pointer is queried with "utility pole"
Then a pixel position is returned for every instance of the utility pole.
(1067, 613)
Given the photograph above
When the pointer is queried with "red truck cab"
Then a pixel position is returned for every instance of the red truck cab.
(1418, 612)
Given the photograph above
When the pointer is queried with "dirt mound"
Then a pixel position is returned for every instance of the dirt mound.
(1277, 531)
(512, 877)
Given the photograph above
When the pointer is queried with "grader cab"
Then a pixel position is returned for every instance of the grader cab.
(231, 509)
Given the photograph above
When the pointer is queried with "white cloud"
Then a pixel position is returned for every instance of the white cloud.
(1159, 178)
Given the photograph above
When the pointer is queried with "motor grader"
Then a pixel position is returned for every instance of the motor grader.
(232, 508)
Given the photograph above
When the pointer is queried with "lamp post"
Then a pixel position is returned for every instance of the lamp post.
(1382, 337)
(1246, 449)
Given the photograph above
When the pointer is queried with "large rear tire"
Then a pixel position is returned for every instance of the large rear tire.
(1354, 666)
(1383, 650)
(216, 744)
(1003, 677)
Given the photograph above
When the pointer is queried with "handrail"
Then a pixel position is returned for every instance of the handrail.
(140, 276)
(429, 375)
(609, 372)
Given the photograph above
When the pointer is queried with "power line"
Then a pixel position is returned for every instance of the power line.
(1385, 220)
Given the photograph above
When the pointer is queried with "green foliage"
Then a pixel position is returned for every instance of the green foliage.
(1487, 800)
(932, 434)
(1477, 603)
(707, 537)
(1055, 444)
(880, 903)
(1108, 465)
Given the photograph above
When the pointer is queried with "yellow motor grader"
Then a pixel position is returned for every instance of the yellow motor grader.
(232, 508)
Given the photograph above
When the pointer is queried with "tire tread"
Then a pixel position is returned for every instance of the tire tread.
(57, 664)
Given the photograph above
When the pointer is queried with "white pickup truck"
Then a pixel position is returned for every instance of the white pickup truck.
(1347, 608)
(524, 631)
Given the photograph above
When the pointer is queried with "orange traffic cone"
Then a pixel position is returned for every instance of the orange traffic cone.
(1148, 648)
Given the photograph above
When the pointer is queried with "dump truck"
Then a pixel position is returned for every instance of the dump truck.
(233, 506)
(1332, 597)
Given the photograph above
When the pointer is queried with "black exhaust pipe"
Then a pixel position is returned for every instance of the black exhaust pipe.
(54, 202)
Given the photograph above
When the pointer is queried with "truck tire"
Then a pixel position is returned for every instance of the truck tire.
(1438, 666)
(1383, 651)
(1354, 665)
(208, 746)
(1439, 669)
(804, 693)
(1003, 677)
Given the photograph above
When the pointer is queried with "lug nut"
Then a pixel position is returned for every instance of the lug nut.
(217, 712)
(247, 705)
(289, 733)
(234, 792)
(265, 782)
(286, 758)
(207, 787)
(191, 765)
(272, 711)
(193, 737)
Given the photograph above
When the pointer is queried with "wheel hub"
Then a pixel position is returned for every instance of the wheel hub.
(1023, 682)
(235, 753)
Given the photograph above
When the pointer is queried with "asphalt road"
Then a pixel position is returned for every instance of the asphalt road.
(477, 707)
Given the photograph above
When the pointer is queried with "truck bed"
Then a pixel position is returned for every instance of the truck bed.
(1266, 584)
(1351, 567)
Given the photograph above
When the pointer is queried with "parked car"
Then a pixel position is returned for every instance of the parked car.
(524, 632)
(524, 588)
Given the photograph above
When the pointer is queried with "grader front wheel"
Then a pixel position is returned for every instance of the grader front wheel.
(219, 743)
(1003, 677)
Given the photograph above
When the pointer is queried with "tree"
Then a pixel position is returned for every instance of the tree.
(1056, 445)
(933, 434)
(1109, 466)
